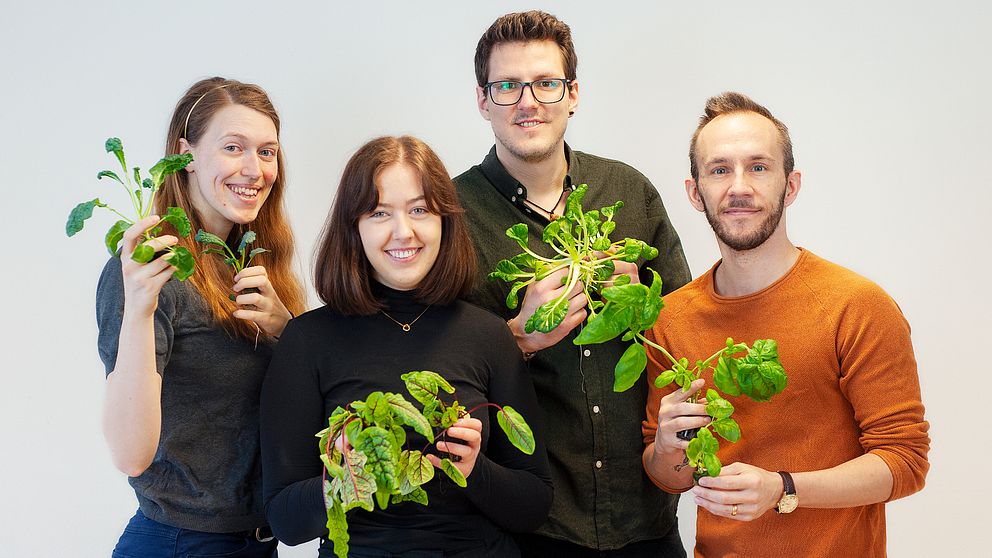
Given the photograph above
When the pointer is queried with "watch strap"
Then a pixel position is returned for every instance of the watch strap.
(788, 486)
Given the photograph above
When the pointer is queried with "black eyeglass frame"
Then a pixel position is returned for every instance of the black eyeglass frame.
(525, 84)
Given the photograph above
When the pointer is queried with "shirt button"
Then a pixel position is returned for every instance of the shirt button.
(520, 190)
(586, 352)
(599, 464)
(595, 409)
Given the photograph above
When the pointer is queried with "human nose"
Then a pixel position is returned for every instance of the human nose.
(402, 227)
(739, 186)
(252, 166)
(527, 97)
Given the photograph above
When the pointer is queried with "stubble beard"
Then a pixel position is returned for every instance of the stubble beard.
(746, 241)
(534, 155)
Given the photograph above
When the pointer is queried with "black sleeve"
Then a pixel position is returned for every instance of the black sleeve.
(511, 488)
(670, 263)
(292, 411)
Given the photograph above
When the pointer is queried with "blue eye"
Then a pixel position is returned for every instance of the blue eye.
(231, 148)
(759, 167)
(420, 211)
(267, 152)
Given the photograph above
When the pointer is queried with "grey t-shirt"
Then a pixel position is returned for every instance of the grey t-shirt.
(206, 474)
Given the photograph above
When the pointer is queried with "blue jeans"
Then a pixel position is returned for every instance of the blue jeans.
(145, 538)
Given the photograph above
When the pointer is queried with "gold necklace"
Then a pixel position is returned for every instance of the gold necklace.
(406, 327)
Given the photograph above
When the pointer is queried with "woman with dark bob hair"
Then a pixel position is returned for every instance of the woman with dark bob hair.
(184, 363)
(394, 258)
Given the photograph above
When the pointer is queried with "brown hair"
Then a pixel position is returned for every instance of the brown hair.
(729, 103)
(213, 278)
(343, 273)
(534, 25)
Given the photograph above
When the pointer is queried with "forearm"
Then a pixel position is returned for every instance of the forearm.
(132, 411)
(667, 471)
(297, 514)
(514, 499)
(861, 481)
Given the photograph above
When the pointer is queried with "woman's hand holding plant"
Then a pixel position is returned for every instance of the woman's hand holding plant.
(261, 303)
(144, 281)
(468, 431)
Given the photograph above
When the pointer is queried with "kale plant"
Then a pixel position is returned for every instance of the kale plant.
(142, 195)
(377, 466)
(238, 261)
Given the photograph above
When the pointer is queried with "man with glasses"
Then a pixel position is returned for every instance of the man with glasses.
(527, 89)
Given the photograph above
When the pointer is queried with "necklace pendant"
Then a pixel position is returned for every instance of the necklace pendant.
(406, 327)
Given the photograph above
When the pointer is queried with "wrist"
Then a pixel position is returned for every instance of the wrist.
(523, 341)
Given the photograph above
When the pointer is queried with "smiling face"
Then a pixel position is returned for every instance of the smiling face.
(529, 131)
(401, 237)
(742, 186)
(233, 169)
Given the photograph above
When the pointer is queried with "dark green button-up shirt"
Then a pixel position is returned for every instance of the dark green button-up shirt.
(603, 499)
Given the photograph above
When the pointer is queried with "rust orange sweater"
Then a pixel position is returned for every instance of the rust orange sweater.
(853, 388)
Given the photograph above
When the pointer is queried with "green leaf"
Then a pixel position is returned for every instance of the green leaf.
(517, 430)
(573, 204)
(408, 415)
(607, 227)
(694, 450)
(634, 294)
(376, 444)
(727, 428)
(611, 210)
(114, 145)
(79, 214)
(512, 298)
(424, 385)
(723, 376)
(143, 253)
(716, 406)
(255, 252)
(170, 164)
(611, 322)
(358, 485)
(712, 464)
(507, 271)
(209, 238)
(418, 495)
(664, 378)
(176, 217)
(108, 174)
(453, 473)
(182, 259)
(246, 239)
(419, 469)
(629, 367)
(337, 524)
(710, 444)
(518, 232)
(114, 235)
(548, 315)
(147, 183)
(137, 175)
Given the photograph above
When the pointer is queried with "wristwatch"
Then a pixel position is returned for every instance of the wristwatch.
(789, 501)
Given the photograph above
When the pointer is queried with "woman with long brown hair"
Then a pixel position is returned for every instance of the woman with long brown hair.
(184, 363)
(393, 261)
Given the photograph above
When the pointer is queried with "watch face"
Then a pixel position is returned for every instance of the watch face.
(788, 503)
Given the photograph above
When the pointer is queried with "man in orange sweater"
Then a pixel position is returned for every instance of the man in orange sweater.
(816, 464)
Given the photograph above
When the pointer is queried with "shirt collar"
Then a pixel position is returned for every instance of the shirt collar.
(511, 188)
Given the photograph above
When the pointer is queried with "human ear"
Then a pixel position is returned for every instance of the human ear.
(185, 147)
(792, 185)
(695, 197)
(482, 101)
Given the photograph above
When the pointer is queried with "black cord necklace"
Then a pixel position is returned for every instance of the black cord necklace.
(551, 214)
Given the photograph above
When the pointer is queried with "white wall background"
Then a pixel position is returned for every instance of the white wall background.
(888, 103)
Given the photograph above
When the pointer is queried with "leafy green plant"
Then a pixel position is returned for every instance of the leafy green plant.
(142, 195)
(239, 260)
(754, 371)
(582, 245)
(377, 466)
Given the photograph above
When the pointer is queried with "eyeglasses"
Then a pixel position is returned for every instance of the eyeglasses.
(546, 91)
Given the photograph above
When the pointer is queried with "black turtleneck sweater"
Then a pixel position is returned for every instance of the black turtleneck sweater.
(324, 360)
